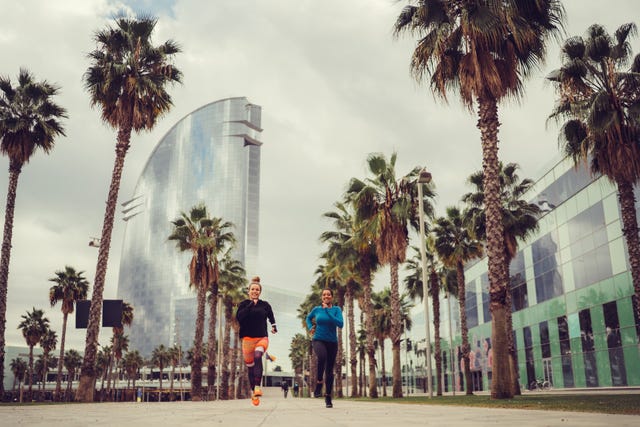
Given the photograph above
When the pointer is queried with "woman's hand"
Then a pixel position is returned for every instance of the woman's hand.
(312, 331)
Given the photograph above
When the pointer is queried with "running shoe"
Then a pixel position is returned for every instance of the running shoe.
(255, 400)
(257, 392)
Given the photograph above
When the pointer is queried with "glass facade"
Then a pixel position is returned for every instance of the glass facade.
(572, 295)
(211, 156)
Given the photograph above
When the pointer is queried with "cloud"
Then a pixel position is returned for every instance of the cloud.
(334, 86)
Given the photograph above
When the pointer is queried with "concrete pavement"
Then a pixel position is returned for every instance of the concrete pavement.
(276, 411)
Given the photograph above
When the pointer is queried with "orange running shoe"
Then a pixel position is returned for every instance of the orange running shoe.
(255, 400)
(257, 392)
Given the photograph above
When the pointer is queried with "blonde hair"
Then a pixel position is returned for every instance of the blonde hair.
(255, 280)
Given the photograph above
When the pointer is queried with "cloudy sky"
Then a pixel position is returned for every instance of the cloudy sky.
(334, 86)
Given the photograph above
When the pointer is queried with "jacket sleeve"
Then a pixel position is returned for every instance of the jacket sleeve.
(336, 314)
(243, 310)
(270, 315)
(310, 316)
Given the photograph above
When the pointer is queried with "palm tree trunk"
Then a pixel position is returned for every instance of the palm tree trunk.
(61, 357)
(211, 349)
(396, 330)
(488, 126)
(513, 356)
(338, 366)
(88, 372)
(196, 367)
(464, 331)
(382, 366)
(234, 366)
(14, 173)
(627, 200)
(30, 369)
(368, 322)
(353, 355)
(435, 301)
(226, 350)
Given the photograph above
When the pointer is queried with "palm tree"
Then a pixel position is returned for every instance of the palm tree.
(311, 300)
(519, 220)
(195, 233)
(455, 246)
(103, 365)
(127, 80)
(119, 344)
(599, 99)
(29, 120)
(175, 359)
(343, 256)
(233, 281)
(48, 343)
(483, 50)
(18, 368)
(132, 363)
(126, 319)
(70, 287)
(298, 352)
(72, 361)
(413, 284)
(34, 325)
(385, 207)
(160, 358)
(222, 239)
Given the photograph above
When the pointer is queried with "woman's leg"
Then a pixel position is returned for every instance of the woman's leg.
(332, 352)
(321, 353)
(261, 347)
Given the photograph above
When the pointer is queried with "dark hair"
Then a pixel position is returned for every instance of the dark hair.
(327, 289)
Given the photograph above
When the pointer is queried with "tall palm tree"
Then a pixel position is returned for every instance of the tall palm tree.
(456, 245)
(312, 299)
(223, 239)
(385, 206)
(483, 50)
(48, 343)
(119, 344)
(519, 220)
(343, 256)
(103, 366)
(72, 361)
(413, 284)
(18, 368)
(34, 325)
(70, 286)
(195, 233)
(29, 120)
(127, 80)
(233, 281)
(599, 98)
(298, 352)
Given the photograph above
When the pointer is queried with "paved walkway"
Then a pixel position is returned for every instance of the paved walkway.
(275, 411)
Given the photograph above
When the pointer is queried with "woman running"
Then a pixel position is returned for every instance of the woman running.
(252, 316)
(325, 342)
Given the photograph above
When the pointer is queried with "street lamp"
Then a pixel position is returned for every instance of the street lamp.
(425, 178)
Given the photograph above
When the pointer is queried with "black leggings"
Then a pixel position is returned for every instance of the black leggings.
(326, 352)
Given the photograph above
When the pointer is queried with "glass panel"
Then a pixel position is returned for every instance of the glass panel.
(614, 344)
(588, 347)
(544, 340)
(565, 351)
(528, 352)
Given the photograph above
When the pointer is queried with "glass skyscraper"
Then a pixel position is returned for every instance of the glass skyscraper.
(211, 156)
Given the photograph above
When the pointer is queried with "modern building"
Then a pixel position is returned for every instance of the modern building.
(210, 156)
(573, 298)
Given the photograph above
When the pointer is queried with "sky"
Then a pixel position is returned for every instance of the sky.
(334, 86)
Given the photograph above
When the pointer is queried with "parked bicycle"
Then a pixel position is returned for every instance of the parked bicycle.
(540, 385)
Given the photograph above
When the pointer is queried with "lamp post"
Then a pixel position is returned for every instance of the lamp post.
(425, 178)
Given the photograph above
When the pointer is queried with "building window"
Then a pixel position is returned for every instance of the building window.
(545, 267)
(614, 344)
(590, 258)
(588, 348)
(528, 355)
(471, 305)
(518, 283)
(565, 352)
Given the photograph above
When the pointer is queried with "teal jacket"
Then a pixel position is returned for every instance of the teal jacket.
(327, 320)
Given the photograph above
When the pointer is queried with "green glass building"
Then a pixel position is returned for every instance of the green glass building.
(573, 298)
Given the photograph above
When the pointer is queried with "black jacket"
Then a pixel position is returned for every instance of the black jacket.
(253, 318)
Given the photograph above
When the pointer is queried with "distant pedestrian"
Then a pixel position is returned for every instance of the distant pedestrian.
(285, 388)
(296, 389)
(325, 342)
(252, 315)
